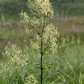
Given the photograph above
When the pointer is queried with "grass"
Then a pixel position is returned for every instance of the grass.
(64, 67)
(60, 68)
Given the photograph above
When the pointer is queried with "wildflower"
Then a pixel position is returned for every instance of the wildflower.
(30, 79)
(15, 57)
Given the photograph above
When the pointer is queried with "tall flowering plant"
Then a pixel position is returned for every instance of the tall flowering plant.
(41, 11)
(16, 60)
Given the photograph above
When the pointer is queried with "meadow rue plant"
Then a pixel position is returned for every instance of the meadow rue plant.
(15, 56)
(16, 60)
(41, 11)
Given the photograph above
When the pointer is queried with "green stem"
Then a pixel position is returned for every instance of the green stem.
(17, 74)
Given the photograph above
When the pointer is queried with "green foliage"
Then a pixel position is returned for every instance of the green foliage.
(69, 7)
(66, 67)
(16, 60)
(66, 42)
(13, 7)
(2, 80)
(21, 65)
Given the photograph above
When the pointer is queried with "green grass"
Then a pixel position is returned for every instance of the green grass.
(65, 68)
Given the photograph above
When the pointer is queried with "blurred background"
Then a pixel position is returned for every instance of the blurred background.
(68, 18)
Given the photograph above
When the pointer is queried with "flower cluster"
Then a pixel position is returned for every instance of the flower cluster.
(41, 8)
(15, 57)
(36, 45)
(27, 21)
(50, 37)
(31, 80)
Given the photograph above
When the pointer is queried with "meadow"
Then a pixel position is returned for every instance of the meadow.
(63, 67)
(20, 63)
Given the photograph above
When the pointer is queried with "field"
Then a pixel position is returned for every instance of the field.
(60, 68)
(64, 67)
(20, 63)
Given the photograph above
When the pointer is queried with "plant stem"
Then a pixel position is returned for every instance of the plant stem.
(41, 63)
(42, 50)
(41, 57)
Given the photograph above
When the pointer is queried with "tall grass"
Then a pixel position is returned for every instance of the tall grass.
(65, 68)
(59, 68)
